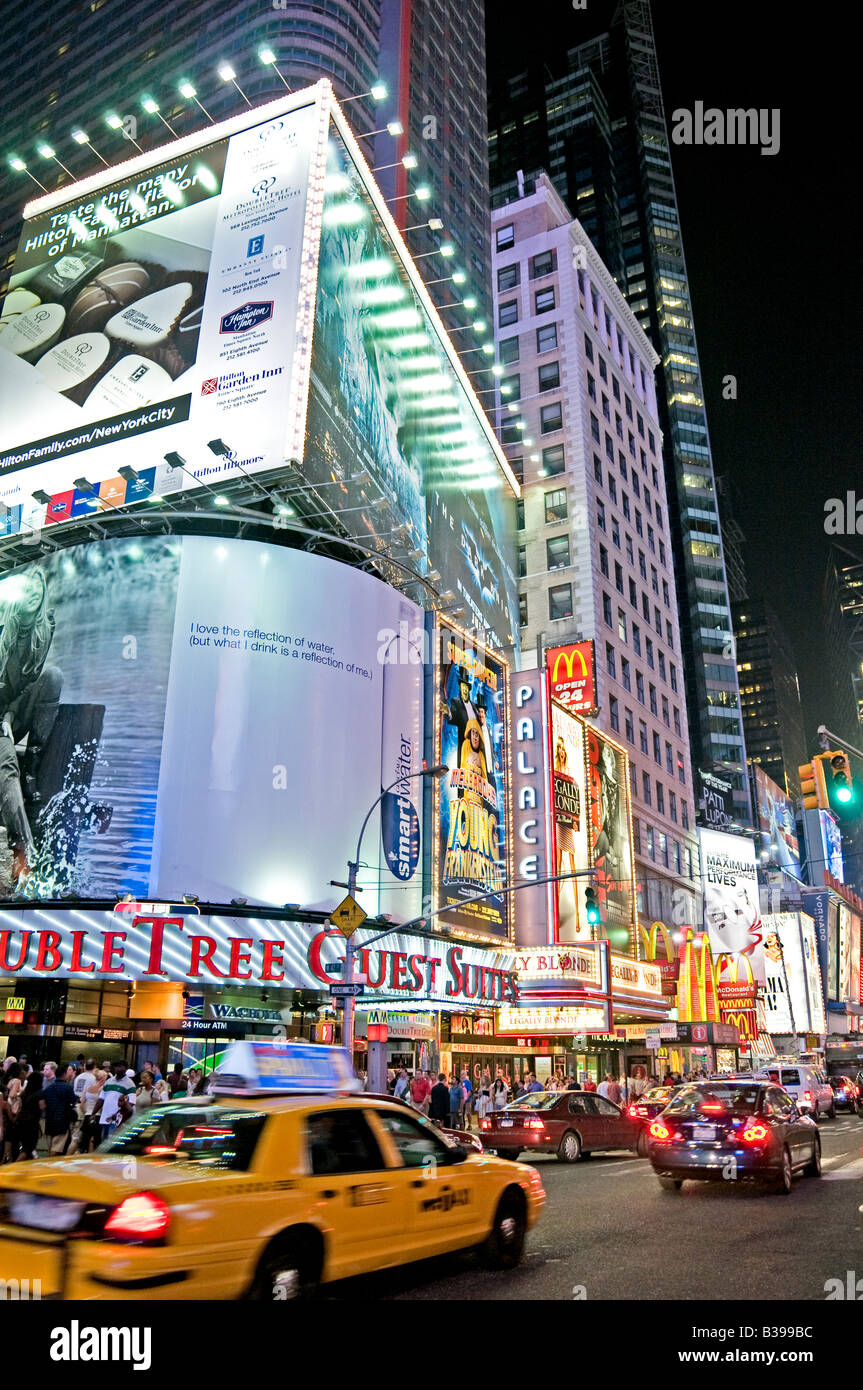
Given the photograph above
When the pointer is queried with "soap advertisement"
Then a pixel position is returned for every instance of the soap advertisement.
(151, 325)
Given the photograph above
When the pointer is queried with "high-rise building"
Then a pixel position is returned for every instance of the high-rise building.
(578, 420)
(843, 630)
(769, 694)
(106, 59)
(597, 125)
(733, 538)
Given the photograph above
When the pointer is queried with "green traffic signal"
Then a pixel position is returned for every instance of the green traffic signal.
(840, 784)
(591, 907)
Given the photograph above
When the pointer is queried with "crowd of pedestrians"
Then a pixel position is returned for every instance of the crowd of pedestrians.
(71, 1107)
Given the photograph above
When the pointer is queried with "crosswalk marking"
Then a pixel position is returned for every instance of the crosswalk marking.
(853, 1170)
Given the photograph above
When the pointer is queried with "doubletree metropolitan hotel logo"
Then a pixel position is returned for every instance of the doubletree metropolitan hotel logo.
(250, 315)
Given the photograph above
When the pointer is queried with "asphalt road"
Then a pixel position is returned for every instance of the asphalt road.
(608, 1231)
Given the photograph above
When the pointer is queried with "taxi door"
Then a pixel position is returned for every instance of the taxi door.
(444, 1203)
(359, 1201)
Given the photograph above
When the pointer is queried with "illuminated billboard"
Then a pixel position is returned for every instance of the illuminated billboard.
(472, 801)
(732, 915)
(610, 830)
(205, 716)
(570, 823)
(571, 672)
(154, 308)
(774, 811)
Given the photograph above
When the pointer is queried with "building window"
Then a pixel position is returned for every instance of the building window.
(651, 849)
(657, 749)
(665, 719)
(508, 277)
(555, 505)
(642, 736)
(615, 531)
(612, 488)
(629, 725)
(510, 387)
(588, 348)
(591, 386)
(614, 713)
(673, 677)
(666, 597)
(522, 561)
(597, 469)
(663, 847)
(636, 829)
(652, 700)
(594, 428)
(522, 610)
(519, 514)
(544, 300)
(649, 647)
(600, 515)
(681, 770)
(610, 663)
(560, 601)
(677, 721)
(621, 624)
(660, 798)
(603, 370)
(603, 560)
(633, 593)
(646, 793)
(553, 460)
(661, 664)
(546, 337)
(618, 577)
(505, 237)
(508, 313)
(549, 376)
(557, 552)
(507, 350)
(672, 811)
(636, 639)
(625, 673)
(684, 820)
(639, 689)
(544, 263)
(606, 611)
(551, 418)
(675, 845)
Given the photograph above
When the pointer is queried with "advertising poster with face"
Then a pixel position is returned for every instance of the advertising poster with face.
(610, 823)
(776, 819)
(472, 848)
(569, 802)
(732, 915)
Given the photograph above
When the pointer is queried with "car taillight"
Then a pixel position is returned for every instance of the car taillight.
(632, 1111)
(755, 1134)
(713, 1109)
(807, 1095)
(485, 1124)
(142, 1217)
(658, 1131)
(535, 1124)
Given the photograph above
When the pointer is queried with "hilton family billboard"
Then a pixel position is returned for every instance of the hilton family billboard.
(238, 301)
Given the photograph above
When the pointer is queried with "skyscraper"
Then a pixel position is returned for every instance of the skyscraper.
(598, 127)
(769, 694)
(843, 631)
(105, 59)
(578, 420)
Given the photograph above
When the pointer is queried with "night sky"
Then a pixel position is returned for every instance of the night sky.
(773, 257)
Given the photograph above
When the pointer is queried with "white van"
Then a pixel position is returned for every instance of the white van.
(807, 1084)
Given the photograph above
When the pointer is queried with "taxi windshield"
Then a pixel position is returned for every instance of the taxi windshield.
(535, 1100)
(715, 1099)
(210, 1135)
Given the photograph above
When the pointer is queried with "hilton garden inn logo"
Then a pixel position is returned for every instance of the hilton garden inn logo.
(732, 127)
(77, 1343)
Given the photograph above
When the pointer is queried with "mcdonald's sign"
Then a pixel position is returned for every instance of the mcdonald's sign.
(697, 998)
(571, 675)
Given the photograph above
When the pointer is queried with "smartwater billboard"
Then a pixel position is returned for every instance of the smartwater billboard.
(154, 309)
(205, 716)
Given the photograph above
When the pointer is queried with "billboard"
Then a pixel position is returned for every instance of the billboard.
(715, 801)
(610, 830)
(572, 675)
(732, 915)
(153, 308)
(775, 817)
(182, 716)
(387, 412)
(472, 801)
(778, 965)
(569, 822)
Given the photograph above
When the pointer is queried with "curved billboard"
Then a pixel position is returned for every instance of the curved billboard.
(192, 715)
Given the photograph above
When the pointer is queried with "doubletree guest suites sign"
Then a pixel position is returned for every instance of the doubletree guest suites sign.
(228, 951)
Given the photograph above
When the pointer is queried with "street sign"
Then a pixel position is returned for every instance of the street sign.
(348, 916)
(343, 991)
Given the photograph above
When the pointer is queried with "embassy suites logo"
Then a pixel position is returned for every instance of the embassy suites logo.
(126, 1344)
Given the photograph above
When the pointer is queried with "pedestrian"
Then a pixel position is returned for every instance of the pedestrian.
(571, 1083)
(30, 1117)
(116, 1087)
(175, 1078)
(590, 1084)
(467, 1087)
(532, 1083)
(391, 1079)
(603, 1087)
(420, 1090)
(439, 1100)
(15, 1082)
(57, 1105)
(402, 1085)
(84, 1078)
(90, 1134)
(456, 1103)
(499, 1093)
(146, 1094)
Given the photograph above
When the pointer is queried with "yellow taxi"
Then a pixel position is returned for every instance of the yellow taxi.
(278, 1181)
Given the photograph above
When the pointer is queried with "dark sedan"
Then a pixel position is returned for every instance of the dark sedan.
(571, 1124)
(647, 1106)
(735, 1130)
(846, 1092)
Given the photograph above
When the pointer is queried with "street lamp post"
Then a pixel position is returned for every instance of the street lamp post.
(353, 868)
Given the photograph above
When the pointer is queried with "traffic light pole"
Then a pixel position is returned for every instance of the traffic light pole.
(829, 740)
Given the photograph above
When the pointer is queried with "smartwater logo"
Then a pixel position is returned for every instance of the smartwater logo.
(77, 1343)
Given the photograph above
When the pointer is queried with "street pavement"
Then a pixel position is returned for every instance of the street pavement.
(608, 1231)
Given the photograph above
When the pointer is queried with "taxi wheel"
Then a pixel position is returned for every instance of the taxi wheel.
(505, 1242)
(289, 1269)
(785, 1177)
(813, 1167)
(831, 1113)
(570, 1147)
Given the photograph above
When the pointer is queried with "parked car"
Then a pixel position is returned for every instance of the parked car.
(733, 1131)
(806, 1084)
(572, 1124)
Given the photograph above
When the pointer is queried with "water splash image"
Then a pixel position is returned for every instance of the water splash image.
(53, 871)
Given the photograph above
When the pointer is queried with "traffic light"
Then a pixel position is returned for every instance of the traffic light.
(840, 785)
(813, 785)
(591, 907)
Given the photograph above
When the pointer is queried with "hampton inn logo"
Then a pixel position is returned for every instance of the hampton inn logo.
(247, 316)
(77, 1343)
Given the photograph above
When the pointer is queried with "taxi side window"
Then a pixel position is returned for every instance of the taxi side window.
(416, 1144)
(340, 1141)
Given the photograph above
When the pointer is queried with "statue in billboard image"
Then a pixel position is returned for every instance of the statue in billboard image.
(29, 698)
(610, 844)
